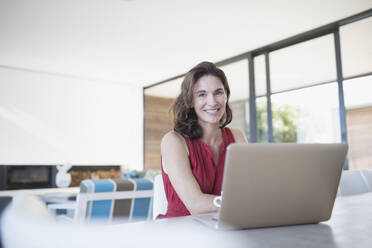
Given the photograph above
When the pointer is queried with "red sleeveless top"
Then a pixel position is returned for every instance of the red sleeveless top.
(207, 174)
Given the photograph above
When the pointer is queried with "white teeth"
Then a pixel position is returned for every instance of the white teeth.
(211, 111)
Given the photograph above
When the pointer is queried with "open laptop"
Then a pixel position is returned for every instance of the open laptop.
(268, 185)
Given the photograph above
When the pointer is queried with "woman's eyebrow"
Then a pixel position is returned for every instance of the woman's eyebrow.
(203, 91)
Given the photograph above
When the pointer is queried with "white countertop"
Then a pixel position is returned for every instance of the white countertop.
(69, 190)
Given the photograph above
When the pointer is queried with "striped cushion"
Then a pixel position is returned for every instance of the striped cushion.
(141, 206)
(122, 210)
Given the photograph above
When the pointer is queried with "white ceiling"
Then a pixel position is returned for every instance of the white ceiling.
(145, 41)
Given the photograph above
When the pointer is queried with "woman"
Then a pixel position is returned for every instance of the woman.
(193, 154)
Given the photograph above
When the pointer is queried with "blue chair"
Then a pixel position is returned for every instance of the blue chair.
(124, 200)
(109, 200)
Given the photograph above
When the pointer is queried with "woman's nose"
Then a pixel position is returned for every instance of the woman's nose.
(211, 100)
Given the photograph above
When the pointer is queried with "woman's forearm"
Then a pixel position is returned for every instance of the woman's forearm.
(202, 204)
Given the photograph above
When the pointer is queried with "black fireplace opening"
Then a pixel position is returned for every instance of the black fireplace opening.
(27, 176)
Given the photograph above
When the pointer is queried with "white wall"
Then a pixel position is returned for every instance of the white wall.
(51, 119)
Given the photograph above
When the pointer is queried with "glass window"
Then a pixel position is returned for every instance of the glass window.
(356, 47)
(237, 76)
(307, 115)
(304, 64)
(358, 104)
(262, 125)
(169, 89)
(260, 75)
(240, 115)
(261, 100)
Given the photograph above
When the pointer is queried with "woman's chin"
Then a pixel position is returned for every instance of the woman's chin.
(210, 121)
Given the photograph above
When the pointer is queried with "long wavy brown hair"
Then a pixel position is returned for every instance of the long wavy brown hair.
(184, 115)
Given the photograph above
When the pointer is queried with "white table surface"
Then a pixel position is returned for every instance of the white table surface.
(349, 226)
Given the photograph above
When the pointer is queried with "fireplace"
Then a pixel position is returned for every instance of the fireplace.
(27, 176)
(79, 173)
(44, 176)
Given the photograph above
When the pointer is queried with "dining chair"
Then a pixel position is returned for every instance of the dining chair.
(111, 200)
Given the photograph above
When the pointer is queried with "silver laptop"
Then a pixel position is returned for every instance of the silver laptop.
(268, 185)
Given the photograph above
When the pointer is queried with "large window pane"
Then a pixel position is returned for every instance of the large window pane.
(303, 64)
(262, 125)
(260, 75)
(237, 75)
(307, 115)
(261, 100)
(170, 89)
(240, 115)
(356, 47)
(358, 103)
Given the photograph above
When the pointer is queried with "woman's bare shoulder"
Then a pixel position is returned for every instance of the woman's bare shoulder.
(172, 137)
(238, 135)
(173, 142)
(173, 150)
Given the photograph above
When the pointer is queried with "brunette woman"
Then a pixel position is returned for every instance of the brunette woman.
(193, 154)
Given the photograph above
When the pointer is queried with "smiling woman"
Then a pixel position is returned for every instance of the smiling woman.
(193, 154)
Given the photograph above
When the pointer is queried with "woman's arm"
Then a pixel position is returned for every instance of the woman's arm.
(175, 159)
(239, 136)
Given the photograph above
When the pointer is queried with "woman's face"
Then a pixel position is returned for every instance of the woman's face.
(209, 99)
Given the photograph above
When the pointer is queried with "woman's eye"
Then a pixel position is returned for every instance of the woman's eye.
(202, 95)
(219, 93)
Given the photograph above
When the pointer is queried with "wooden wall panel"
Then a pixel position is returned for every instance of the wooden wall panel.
(359, 129)
(157, 123)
